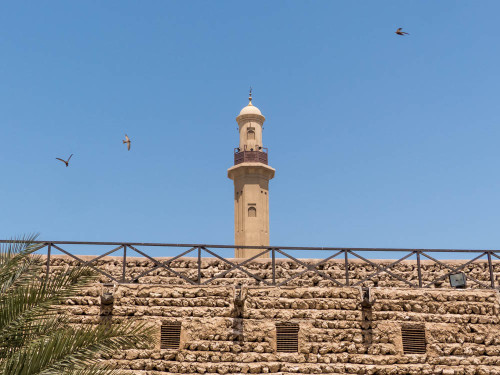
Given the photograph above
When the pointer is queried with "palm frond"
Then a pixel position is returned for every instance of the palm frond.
(34, 337)
(76, 349)
(97, 369)
(24, 309)
(17, 261)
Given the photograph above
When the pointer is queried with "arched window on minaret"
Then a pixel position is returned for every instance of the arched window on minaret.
(252, 212)
(251, 134)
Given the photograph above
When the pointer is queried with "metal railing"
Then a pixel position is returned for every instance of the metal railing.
(250, 157)
(345, 254)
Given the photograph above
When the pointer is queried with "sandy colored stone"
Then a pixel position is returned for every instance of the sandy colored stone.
(232, 330)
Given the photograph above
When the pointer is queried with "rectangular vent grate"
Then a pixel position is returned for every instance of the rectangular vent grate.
(287, 338)
(413, 340)
(170, 335)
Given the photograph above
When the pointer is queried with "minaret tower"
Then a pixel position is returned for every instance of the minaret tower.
(251, 176)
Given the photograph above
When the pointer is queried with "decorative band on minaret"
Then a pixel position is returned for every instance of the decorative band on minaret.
(251, 176)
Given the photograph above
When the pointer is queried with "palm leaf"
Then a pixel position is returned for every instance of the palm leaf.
(25, 309)
(16, 264)
(34, 337)
(76, 348)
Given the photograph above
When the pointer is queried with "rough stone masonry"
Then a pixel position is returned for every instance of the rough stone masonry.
(229, 326)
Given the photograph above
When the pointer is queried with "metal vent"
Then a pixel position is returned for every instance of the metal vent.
(413, 340)
(287, 338)
(170, 335)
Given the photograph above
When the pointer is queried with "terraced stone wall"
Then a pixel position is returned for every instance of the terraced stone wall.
(285, 268)
(229, 328)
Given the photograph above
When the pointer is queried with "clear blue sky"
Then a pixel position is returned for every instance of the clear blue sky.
(377, 140)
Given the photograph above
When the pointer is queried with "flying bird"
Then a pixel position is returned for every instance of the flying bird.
(127, 141)
(65, 161)
(400, 32)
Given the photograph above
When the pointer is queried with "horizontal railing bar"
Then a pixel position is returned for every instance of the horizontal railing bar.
(259, 247)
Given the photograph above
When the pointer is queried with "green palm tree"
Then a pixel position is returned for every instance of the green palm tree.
(35, 337)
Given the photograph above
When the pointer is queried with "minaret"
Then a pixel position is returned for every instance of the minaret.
(251, 176)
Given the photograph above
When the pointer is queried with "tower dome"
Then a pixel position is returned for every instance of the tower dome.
(250, 109)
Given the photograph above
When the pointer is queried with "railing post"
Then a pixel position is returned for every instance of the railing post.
(419, 270)
(124, 265)
(346, 266)
(490, 265)
(199, 265)
(48, 260)
(273, 256)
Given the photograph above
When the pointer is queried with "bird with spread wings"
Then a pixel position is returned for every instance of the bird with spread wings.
(65, 161)
(400, 31)
(127, 141)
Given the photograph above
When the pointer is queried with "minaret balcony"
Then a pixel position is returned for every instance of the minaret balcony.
(250, 156)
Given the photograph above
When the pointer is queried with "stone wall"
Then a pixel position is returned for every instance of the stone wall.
(230, 329)
(285, 269)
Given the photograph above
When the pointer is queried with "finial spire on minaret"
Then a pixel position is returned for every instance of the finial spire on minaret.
(250, 96)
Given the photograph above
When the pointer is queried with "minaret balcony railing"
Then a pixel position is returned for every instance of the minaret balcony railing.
(250, 156)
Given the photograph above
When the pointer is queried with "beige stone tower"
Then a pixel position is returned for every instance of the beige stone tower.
(251, 176)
